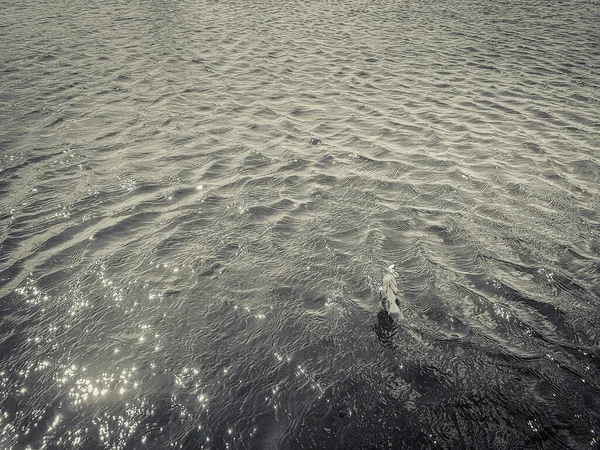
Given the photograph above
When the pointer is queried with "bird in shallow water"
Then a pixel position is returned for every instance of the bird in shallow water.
(389, 293)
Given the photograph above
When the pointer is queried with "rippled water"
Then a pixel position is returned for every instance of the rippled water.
(199, 198)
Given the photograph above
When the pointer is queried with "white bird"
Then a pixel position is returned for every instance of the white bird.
(389, 293)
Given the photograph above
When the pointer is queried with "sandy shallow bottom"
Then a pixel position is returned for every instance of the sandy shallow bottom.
(198, 201)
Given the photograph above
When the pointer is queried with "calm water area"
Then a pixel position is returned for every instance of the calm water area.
(199, 199)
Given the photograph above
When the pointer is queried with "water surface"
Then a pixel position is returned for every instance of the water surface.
(198, 200)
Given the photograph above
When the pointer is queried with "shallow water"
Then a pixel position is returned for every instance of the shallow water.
(198, 200)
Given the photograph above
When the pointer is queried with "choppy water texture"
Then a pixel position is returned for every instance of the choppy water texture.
(198, 200)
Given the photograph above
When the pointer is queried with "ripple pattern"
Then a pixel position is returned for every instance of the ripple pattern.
(198, 200)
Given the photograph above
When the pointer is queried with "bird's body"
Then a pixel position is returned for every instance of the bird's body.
(389, 294)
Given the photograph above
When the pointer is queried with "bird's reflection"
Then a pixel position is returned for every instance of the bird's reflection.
(385, 329)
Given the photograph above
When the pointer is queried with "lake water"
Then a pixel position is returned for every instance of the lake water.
(198, 200)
